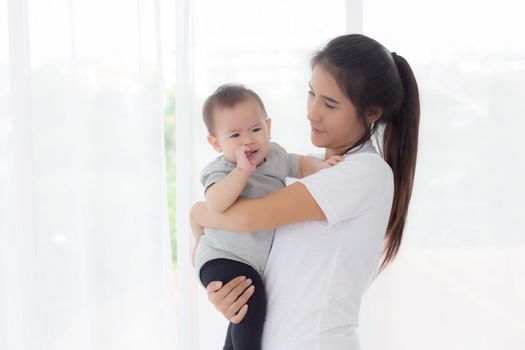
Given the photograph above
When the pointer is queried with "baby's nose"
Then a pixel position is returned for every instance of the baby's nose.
(247, 141)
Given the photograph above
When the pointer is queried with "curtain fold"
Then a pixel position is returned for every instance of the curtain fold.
(84, 230)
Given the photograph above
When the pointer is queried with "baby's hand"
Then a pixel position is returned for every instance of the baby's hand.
(242, 160)
(331, 161)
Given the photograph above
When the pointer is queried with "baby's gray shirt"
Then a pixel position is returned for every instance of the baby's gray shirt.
(249, 248)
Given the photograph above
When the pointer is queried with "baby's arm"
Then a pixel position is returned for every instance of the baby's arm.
(222, 194)
(310, 165)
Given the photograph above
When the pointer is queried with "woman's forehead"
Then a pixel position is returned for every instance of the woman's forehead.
(323, 81)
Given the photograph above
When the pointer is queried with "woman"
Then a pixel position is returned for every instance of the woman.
(333, 226)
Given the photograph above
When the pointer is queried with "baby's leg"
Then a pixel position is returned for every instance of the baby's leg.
(228, 345)
(247, 334)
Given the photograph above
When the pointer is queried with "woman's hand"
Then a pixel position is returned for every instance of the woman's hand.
(197, 213)
(231, 298)
(198, 231)
(195, 220)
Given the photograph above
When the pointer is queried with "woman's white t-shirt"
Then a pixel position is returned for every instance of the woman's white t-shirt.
(317, 271)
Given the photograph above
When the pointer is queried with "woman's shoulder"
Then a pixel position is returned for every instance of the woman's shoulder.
(367, 157)
(369, 160)
(367, 172)
(367, 164)
(353, 186)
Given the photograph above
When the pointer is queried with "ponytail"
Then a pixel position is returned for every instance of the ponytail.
(400, 152)
(374, 78)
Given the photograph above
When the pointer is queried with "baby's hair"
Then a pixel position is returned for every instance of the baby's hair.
(227, 95)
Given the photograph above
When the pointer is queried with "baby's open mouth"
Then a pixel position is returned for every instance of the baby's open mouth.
(250, 154)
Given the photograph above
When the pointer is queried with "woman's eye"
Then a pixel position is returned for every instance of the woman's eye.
(329, 106)
(311, 93)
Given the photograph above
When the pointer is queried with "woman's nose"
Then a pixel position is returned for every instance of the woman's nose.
(312, 112)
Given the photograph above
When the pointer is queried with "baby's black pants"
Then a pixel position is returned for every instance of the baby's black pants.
(247, 334)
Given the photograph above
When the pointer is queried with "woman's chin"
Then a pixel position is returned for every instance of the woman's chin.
(316, 141)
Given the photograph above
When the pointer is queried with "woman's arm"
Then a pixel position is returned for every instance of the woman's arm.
(286, 206)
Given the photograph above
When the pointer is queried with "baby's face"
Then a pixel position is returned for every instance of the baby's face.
(243, 125)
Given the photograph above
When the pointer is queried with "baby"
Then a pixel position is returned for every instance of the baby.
(250, 166)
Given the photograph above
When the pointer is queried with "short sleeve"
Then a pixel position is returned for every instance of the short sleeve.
(280, 157)
(351, 187)
(212, 178)
(293, 161)
(215, 171)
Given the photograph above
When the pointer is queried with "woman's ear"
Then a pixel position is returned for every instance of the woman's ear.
(374, 113)
(214, 142)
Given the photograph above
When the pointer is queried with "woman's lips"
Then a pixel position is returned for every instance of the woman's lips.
(316, 131)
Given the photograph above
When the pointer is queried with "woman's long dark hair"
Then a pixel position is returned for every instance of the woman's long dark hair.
(375, 79)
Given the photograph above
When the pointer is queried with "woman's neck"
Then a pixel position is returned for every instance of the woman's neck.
(328, 152)
(339, 151)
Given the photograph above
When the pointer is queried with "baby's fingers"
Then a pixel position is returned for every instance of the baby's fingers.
(334, 160)
(337, 159)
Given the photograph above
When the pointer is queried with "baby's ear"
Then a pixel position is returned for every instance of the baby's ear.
(214, 142)
(269, 126)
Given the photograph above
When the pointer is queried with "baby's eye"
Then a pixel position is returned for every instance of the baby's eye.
(257, 129)
(232, 136)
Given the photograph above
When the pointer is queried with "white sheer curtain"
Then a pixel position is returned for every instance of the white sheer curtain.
(458, 282)
(85, 252)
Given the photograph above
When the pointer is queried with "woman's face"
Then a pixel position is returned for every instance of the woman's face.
(332, 116)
